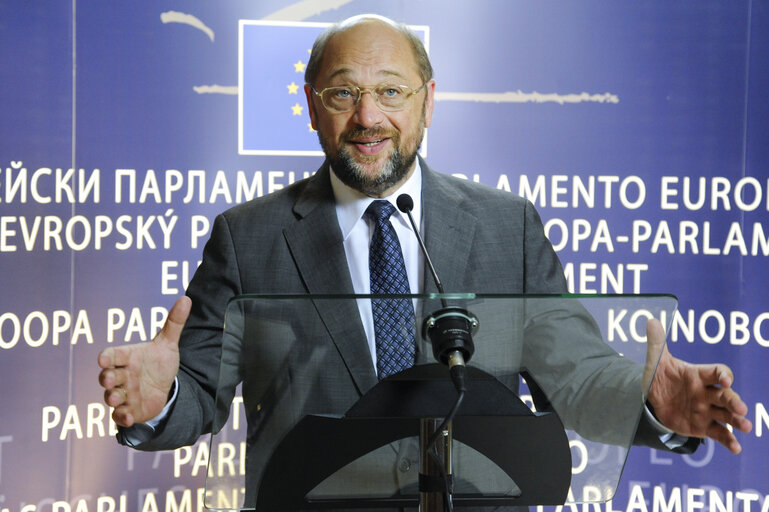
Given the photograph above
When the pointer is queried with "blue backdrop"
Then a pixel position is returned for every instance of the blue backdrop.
(638, 129)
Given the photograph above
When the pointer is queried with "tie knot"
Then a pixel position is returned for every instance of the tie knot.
(380, 210)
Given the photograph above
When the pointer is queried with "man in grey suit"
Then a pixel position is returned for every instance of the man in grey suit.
(370, 95)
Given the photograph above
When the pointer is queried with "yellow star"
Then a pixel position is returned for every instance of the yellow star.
(297, 109)
(309, 125)
(299, 66)
(292, 88)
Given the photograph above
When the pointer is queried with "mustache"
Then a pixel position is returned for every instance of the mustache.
(374, 133)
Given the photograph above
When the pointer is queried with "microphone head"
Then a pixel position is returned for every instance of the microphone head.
(405, 203)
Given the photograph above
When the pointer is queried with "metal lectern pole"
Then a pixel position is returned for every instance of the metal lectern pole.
(432, 485)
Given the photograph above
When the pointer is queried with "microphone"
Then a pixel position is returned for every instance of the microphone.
(451, 328)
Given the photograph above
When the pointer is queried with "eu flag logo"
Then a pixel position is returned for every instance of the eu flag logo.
(272, 109)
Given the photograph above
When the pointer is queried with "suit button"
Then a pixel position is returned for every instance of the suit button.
(404, 466)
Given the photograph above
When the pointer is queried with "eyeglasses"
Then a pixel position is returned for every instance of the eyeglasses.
(388, 97)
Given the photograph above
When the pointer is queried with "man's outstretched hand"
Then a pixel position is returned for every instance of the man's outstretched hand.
(693, 400)
(138, 378)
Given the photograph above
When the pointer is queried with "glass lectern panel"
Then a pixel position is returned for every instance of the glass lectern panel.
(300, 408)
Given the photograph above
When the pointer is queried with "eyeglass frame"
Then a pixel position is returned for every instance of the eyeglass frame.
(371, 91)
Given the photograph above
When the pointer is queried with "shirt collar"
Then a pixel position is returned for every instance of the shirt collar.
(351, 204)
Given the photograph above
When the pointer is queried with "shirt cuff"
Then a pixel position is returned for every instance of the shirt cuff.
(668, 437)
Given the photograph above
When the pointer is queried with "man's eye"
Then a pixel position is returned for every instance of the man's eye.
(390, 92)
(343, 93)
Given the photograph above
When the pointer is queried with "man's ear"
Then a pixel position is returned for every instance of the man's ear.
(429, 102)
(311, 106)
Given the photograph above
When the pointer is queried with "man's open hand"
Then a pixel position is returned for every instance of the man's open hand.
(693, 400)
(138, 378)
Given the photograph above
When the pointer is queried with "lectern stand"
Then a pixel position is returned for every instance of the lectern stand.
(304, 438)
(532, 449)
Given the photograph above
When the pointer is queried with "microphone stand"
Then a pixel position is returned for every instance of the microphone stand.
(450, 330)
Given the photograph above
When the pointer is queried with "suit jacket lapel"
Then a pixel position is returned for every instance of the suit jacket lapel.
(315, 242)
(449, 233)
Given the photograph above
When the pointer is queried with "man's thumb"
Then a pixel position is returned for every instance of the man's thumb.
(172, 329)
(655, 344)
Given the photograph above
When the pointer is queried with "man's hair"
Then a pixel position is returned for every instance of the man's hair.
(312, 70)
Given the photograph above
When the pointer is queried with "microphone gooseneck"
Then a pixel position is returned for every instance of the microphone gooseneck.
(406, 204)
(449, 329)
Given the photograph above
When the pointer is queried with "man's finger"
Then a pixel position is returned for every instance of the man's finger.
(112, 378)
(721, 434)
(730, 400)
(742, 424)
(114, 357)
(115, 397)
(716, 375)
(172, 329)
(724, 416)
(123, 417)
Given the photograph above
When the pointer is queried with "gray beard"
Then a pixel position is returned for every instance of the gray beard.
(353, 175)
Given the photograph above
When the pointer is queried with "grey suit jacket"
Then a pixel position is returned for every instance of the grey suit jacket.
(479, 239)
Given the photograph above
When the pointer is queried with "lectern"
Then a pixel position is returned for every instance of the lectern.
(303, 423)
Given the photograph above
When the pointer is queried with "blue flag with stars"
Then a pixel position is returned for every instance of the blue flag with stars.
(272, 109)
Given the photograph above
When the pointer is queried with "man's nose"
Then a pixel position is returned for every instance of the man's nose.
(367, 112)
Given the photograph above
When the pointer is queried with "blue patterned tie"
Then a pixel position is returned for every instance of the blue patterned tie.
(393, 318)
